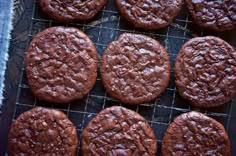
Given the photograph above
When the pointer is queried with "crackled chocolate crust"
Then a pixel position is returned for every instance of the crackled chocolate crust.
(118, 131)
(71, 10)
(61, 65)
(194, 134)
(135, 69)
(149, 14)
(213, 15)
(205, 71)
(42, 131)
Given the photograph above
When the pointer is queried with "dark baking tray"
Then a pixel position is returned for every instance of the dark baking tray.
(102, 29)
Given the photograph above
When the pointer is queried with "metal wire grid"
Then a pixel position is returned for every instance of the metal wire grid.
(159, 113)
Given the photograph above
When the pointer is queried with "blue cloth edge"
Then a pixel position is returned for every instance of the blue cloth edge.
(6, 16)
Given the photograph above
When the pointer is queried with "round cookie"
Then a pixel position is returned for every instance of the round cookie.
(149, 14)
(71, 10)
(42, 131)
(135, 69)
(213, 15)
(205, 71)
(61, 65)
(118, 131)
(194, 133)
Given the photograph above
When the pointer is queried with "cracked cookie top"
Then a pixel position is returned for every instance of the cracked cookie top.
(205, 71)
(149, 14)
(217, 15)
(135, 69)
(71, 10)
(61, 64)
(118, 131)
(42, 131)
(194, 134)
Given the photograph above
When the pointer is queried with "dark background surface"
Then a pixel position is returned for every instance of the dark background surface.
(102, 29)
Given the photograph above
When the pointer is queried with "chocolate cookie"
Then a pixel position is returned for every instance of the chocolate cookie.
(149, 14)
(193, 134)
(61, 64)
(135, 69)
(118, 131)
(217, 15)
(42, 131)
(205, 71)
(71, 10)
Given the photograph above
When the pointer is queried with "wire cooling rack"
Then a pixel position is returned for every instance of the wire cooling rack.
(105, 27)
